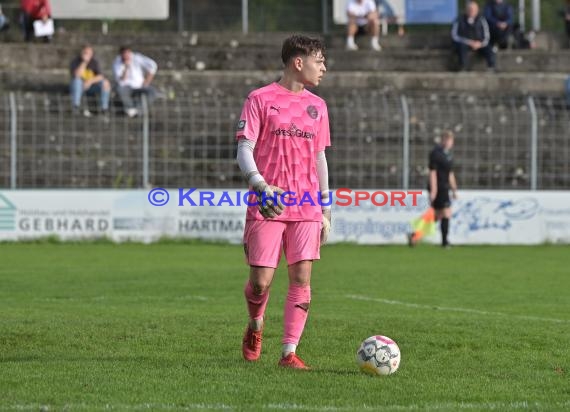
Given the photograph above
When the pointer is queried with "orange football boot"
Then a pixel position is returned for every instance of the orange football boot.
(251, 347)
(293, 361)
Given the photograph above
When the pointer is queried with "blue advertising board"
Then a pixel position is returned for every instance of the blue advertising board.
(407, 11)
(431, 11)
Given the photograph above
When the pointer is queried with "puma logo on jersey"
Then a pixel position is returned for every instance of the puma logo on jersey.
(277, 108)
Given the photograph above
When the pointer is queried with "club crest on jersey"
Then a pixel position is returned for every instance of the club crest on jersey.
(241, 125)
(312, 111)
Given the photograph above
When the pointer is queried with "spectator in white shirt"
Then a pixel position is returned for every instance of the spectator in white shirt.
(134, 73)
(362, 18)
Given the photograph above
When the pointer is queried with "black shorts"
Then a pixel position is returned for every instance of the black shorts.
(362, 30)
(441, 200)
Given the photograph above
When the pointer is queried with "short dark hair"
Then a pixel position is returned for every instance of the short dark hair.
(124, 48)
(447, 134)
(296, 45)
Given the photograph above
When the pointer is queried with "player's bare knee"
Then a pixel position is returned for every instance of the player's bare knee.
(300, 278)
(260, 287)
(300, 273)
(301, 282)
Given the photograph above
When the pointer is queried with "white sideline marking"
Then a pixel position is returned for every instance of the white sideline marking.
(447, 406)
(452, 309)
(134, 297)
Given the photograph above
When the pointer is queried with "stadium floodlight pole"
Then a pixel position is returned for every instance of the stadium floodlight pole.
(244, 17)
(536, 15)
(533, 143)
(13, 140)
(522, 14)
(406, 143)
(145, 141)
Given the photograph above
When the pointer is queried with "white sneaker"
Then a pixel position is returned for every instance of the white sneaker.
(87, 113)
(351, 46)
(132, 112)
(375, 45)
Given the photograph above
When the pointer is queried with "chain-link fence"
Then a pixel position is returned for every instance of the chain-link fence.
(380, 140)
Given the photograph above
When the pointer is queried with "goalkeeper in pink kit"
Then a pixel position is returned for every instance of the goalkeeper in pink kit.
(282, 135)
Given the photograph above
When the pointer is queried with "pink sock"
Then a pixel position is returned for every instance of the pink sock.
(256, 304)
(296, 311)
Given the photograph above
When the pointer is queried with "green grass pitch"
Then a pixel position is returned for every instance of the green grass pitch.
(158, 327)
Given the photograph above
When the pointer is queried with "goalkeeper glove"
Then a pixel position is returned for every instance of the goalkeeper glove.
(325, 230)
(269, 199)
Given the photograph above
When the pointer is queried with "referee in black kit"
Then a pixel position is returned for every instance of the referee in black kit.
(441, 180)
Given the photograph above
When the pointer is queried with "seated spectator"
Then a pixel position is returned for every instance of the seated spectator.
(362, 18)
(499, 15)
(4, 22)
(134, 73)
(470, 32)
(86, 77)
(33, 10)
(389, 16)
(522, 40)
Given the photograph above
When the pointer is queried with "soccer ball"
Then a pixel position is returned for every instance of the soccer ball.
(378, 355)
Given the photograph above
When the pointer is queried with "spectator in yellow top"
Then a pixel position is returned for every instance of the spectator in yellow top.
(86, 77)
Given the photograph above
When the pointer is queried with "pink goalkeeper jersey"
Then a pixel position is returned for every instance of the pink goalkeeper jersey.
(289, 129)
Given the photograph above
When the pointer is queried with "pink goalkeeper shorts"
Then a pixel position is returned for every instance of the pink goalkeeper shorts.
(262, 241)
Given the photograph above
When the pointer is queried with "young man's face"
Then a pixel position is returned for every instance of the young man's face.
(448, 143)
(312, 69)
(127, 56)
(472, 10)
(86, 54)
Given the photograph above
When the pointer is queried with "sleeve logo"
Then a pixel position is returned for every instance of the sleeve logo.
(241, 125)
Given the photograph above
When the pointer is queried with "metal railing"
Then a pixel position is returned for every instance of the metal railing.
(380, 140)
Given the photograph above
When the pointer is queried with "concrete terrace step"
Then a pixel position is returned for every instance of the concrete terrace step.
(438, 39)
(187, 82)
(33, 57)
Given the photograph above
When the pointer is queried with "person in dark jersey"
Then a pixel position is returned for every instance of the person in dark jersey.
(441, 182)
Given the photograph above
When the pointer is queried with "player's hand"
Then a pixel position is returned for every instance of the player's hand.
(269, 199)
(432, 196)
(325, 230)
(454, 194)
